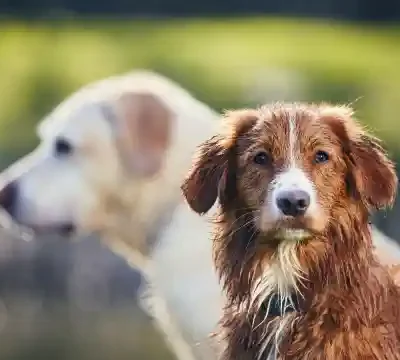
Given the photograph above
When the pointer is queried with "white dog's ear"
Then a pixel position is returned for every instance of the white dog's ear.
(143, 131)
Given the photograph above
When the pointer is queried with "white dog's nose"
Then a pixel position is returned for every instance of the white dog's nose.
(8, 197)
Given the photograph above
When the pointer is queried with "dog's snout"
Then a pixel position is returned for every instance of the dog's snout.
(293, 203)
(8, 197)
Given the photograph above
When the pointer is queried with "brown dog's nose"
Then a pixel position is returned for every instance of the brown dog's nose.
(293, 203)
(8, 197)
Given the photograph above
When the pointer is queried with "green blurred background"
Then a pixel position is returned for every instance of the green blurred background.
(223, 62)
(226, 63)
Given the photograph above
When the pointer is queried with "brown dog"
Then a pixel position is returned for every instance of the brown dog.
(296, 185)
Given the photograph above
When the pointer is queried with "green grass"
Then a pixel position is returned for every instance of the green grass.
(41, 63)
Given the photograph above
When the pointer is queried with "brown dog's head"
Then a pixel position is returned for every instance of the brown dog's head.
(295, 182)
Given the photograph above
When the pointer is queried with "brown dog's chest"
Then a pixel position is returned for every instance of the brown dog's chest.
(319, 339)
(327, 336)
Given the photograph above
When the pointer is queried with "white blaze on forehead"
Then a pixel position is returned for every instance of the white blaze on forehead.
(292, 176)
(292, 141)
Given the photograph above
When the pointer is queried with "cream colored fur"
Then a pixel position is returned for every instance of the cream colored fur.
(98, 194)
(95, 192)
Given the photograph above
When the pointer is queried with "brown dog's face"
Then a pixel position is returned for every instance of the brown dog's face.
(295, 167)
(295, 184)
(285, 165)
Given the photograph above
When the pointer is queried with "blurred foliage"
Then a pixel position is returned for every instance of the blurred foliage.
(41, 63)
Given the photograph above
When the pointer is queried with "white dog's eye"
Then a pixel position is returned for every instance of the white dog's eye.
(62, 147)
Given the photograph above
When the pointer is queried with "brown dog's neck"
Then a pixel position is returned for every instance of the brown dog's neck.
(345, 288)
(343, 266)
(346, 254)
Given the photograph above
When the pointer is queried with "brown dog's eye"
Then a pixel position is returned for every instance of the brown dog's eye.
(62, 147)
(321, 157)
(261, 158)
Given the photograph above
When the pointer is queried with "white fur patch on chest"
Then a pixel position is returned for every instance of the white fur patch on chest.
(281, 277)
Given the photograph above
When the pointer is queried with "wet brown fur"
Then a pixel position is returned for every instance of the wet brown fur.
(350, 306)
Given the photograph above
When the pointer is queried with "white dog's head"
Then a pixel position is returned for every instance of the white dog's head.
(90, 147)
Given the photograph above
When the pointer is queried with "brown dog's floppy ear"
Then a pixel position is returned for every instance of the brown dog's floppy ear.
(372, 172)
(143, 132)
(200, 187)
(214, 170)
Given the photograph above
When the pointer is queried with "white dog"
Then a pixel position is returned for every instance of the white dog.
(111, 160)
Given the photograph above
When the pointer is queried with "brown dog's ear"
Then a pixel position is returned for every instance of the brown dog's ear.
(372, 172)
(200, 186)
(214, 170)
(143, 129)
